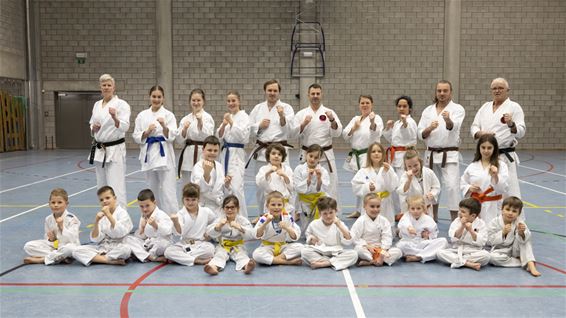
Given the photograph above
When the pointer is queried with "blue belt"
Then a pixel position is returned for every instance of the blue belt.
(151, 140)
(229, 145)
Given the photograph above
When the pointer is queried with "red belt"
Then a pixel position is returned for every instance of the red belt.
(483, 197)
(390, 152)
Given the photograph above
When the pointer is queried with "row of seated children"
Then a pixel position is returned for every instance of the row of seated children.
(326, 237)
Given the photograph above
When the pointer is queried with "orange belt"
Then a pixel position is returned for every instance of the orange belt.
(483, 197)
(375, 253)
(390, 152)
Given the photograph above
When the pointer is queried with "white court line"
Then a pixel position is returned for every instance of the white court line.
(549, 172)
(353, 294)
(545, 188)
(46, 204)
(44, 180)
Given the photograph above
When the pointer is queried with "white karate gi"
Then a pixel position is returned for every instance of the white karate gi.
(300, 181)
(152, 242)
(415, 244)
(235, 167)
(475, 174)
(160, 172)
(276, 183)
(212, 192)
(490, 121)
(319, 131)
(192, 244)
(331, 239)
(193, 133)
(237, 253)
(428, 183)
(465, 248)
(511, 251)
(67, 240)
(109, 241)
(366, 231)
(400, 136)
(114, 172)
(274, 234)
(443, 138)
(385, 184)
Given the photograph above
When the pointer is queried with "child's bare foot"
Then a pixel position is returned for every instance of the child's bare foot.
(413, 258)
(295, 261)
(531, 268)
(117, 262)
(377, 263)
(249, 267)
(210, 269)
(34, 260)
(473, 265)
(364, 263)
(202, 261)
(320, 264)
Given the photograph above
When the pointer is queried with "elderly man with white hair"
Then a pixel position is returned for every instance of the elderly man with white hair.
(505, 119)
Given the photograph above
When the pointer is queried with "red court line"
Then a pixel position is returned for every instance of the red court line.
(550, 168)
(128, 293)
(552, 267)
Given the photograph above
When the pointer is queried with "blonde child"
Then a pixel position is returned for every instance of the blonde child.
(153, 236)
(419, 233)
(377, 177)
(191, 223)
(111, 225)
(486, 178)
(192, 131)
(468, 234)
(230, 230)
(208, 174)
(326, 238)
(510, 238)
(61, 233)
(277, 231)
(372, 235)
(311, 183)
(418, 180)
(276, 176)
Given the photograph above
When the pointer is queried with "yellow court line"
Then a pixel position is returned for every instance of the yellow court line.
(132, 202)
(548, 211)
(531, 205)
(560, 215)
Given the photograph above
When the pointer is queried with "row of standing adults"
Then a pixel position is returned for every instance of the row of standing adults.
(275, 121)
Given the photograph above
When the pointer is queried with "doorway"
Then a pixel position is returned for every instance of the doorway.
(72, 113)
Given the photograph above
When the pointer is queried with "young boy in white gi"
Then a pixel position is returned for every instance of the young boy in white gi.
(276, 176)
(372, 235)
(154, 232)
(510, 238)
(208, 174)
(191, 223)
(326, 238)
(468, 234)
(230, 230)
(111, 225)
(61, 233)
(277, 231)
(419, 233)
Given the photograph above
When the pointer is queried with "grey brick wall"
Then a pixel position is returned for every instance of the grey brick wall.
(12, 41)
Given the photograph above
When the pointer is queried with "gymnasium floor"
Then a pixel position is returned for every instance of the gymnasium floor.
(158, 290)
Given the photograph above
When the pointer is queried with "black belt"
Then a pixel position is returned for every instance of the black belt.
(444, 151)
(262, 145)
(324, 149)
(189, 142)
(506, 152)
(102, 145)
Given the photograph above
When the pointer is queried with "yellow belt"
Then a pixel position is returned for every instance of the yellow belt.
(382, 194)
(56, 244)
(311, 199)
(276, 246)
(229, 244)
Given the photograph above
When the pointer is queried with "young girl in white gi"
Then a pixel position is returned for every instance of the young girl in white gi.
(311, 183)
(61, 233)
(485, 179)
(401, 134)
(326, 238)
(234, 133)
(377, 177)
(191, 223)
(361, 132)
(231, 230)
(193, 129)
(276, 176)
(510, 238)
(278, 233)
(418, 180)
(108, 125)
(153, 236)
(155, 130)
(468, 235)
(208, 174)
(372, 235)
(111, 225)
(419, 233)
